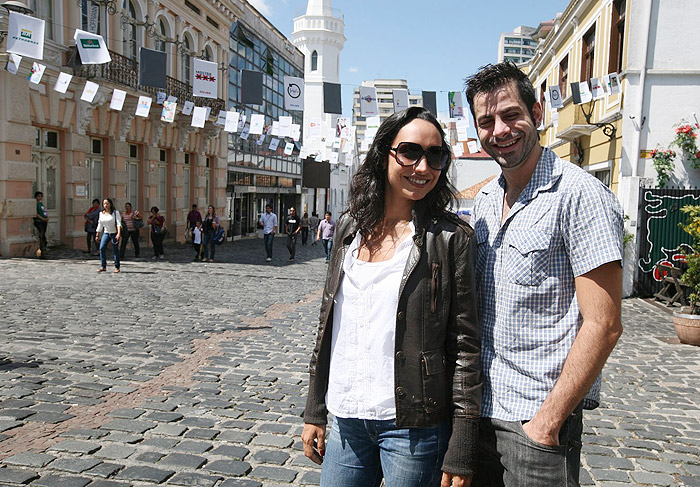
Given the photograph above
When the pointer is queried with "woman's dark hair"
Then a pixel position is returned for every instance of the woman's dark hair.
(213, 210)
(368, 187)
(494, 76)
(111, 205)
(154, 209)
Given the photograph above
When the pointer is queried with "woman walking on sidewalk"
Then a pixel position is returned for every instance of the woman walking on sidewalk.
(133, 221)
(157, 223)
(210, 225)
(110, 224)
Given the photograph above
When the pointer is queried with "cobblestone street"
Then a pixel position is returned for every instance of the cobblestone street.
(191, 374)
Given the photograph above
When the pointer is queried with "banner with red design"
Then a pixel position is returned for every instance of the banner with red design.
(205, 81)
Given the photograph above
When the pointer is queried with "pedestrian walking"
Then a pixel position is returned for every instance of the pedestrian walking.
(268, 221)
(91, 216)
(210, 226)
(109, 225)
(396, 359)
(158, 231)
(193, 217)
(133, 221)
(304, 228)
(197, 241)
(41, 223)
(292, 225)
(550, 282)
(326, 229)
(313, 227)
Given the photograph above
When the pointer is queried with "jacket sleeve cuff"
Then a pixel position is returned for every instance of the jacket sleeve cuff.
(315, 411)
(461, 450)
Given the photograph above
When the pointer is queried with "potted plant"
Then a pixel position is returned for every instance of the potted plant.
(685, 140)
(687, 322)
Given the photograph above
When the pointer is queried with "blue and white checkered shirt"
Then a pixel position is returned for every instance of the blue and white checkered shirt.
(564, 224)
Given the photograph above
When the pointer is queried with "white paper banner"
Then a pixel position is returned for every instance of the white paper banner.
(221, 119)
(295, 132)
(458, 150)
(555, 96)
(25, 36)
(285, 128)
(92, 48)
(89, 91)
(172, 99)
(473, 147)
(231, 124)
(555, 119)
(456, 102)
(62, 82)
(199, 116)
(288, 148)
(303, 153)
(368, 101)
(13, 63)
(372, 127)
(274, 144)
(597, 89)
(144, 106)
(400, 100)
(314, 127)
(187, 109)
(245, 131)
(462, 125)
(261, 139)
(585, 92)
(613, 83)
(333, 158)
(160, 97)
(257, 123)
(168, 112)
(118, 97)
(205, 78)
(293, 93)
(37, 73)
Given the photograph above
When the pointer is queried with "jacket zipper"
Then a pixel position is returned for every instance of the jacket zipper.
(434, 287)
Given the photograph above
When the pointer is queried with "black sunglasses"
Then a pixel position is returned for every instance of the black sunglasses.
(410, 153)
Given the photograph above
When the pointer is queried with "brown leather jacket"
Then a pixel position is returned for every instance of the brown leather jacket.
(437, 374)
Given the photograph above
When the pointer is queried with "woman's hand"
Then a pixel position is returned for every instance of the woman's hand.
(314, 439)
(454, 480)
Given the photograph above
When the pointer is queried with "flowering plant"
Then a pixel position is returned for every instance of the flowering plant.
(691, 276)
(663, 163)
(686, 141)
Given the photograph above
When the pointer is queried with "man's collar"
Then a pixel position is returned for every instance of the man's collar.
(547, 172)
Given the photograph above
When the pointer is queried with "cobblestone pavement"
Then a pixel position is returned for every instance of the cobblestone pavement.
(190, 374)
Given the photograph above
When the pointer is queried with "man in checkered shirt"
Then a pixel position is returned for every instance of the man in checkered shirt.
(550, 288)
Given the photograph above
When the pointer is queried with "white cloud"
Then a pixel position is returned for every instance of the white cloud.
(261, 6)
(354, 69)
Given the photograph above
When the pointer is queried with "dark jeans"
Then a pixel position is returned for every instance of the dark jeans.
(509, 458)
(197, 251)
(157, 239)
(327, 246)
(41, 229)
(304, 235)
(292, 244)
(106, 239)
(209, 245)
(134, 236)
(90, 239)
(269, 237)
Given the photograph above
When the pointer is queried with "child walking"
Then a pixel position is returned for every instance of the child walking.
(197, 241)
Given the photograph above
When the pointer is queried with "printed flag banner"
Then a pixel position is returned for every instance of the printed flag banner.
(293, 93)
(275, 128)
(303, 153)
(613, 84)
(585, 92)
(458, 150)
(430, 102)
(172, 98)
(62, 82)
(187, 109)
(462, 126)
(251, 87)
(473, 147)
(89, 91)
(333, 158)
(261, 139)
(13, 63)
(288, 148)
(204, 78)
(372, 127)
(25, 36)
(91, 47)
(118, 97)
(597, 89)
(207, 113)
(144, 106)
(456, 102)
(221, 119)
(257, 122)
(368, 101)
(241, 121)
(199, 116)
(295, 131)
(555, 96)
(245, 132)
(274, 144)
(231, 124)
(331, 98)
(314, 129)
(160, 98)
(152, 67)
(37, 73)
(168, 112)
(400, 100)
(285, 126)
(555, 119)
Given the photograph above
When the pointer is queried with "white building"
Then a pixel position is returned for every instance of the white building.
(517, 46)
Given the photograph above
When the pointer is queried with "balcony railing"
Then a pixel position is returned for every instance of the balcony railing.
(125, 71)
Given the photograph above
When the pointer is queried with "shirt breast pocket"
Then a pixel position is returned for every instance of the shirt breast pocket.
(528, 258)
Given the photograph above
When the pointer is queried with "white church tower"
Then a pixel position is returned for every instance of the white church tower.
(319, 35)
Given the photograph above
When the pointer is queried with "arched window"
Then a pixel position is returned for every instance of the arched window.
(208, 56)
(161, 45)
(131, 41)
(314, 61)
(187, 59)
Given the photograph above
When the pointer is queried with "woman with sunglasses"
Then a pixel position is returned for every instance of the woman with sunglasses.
(397, 354)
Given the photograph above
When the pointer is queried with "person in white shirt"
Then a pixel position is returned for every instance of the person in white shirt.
(268, 221)
(109, 225)
(197, 240)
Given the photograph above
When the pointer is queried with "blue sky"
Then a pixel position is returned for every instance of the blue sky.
(433, 45)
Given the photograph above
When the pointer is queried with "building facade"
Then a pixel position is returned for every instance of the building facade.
(75, 151)
(517, 46)
(257, 175)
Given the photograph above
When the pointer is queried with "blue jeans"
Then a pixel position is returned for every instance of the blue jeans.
(360, 452)
(509, 457)
(327, 246)
(269, 237)
(209, 246)
(106, 238)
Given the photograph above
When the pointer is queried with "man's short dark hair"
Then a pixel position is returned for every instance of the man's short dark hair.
(493, 76)
(268, 206)
(329, 213)
(96, 201)
(194, 207)
(37, 193)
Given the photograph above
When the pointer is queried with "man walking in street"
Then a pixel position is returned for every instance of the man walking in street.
(268, 221)
(313, 226)
(326, 229)
(292, 225)
(550, 283)
(41, 222)
(193, 217)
